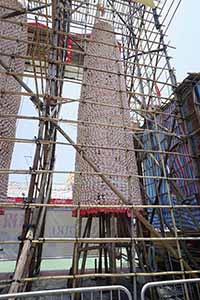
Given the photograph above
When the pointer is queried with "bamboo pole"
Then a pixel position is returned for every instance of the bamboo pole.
(39, 171)
(89, 25)
(109, 184)
(102, 240)
(25, 57)
(137, 214)
(193, 273)
(121, 206)
(19, 271)
(47, 142)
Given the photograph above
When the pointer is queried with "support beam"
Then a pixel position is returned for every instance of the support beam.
(19, 271)
(137, 214)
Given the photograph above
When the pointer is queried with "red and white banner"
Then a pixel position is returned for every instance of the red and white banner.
(59, 223)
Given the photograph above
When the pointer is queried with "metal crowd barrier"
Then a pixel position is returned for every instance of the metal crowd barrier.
(113, 292)
(166, 283)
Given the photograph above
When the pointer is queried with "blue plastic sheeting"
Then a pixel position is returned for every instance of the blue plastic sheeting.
(177, 166)
(197, 90)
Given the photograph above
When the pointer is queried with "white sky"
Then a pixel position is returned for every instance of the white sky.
(185, 35)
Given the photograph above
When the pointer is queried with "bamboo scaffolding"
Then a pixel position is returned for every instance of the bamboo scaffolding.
(71, 10)
(36, 141)
(85, 123)
(82, 39)
(146, 63)
(104, 275)
(80, 67)
(97, 173)
(123, 206)
(103, 240)
(69, 100)
(165, 83)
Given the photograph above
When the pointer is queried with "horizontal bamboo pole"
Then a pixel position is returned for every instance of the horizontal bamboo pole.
(106, 275)
(89, 26)
(39, 171)
(158, 2)
(121, 61)
(12, 73)
(145, 79)
(128, 129)
(30, 58)
(44, 59)
(61, 100)
(78, 83)
(110, 275)
(89, 206)
(84, 39)
(49, 46)
(47, 142)
(101, 240)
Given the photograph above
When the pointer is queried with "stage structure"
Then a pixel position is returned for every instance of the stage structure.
(133, 131)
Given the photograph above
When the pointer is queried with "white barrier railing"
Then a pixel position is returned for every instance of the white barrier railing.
(93, 293)
(166, 283)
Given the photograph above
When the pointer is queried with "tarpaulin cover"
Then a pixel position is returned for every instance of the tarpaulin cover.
(177, 166)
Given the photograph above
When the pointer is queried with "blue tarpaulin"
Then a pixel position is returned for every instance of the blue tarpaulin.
(161, 191)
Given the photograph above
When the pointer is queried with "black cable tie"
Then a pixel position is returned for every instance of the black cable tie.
(25, 200)
(16, 280)
(30, 226)
(42, 240)
(26, 205)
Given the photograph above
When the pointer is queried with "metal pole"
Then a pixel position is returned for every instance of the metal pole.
(166, 282)
(68, 291)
